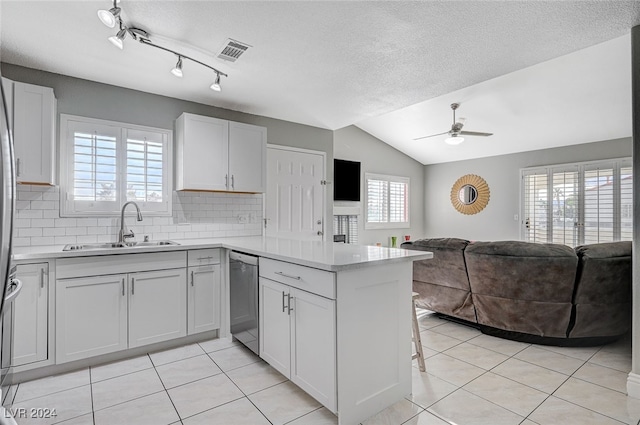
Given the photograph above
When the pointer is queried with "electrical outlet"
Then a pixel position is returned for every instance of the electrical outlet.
(243, 218)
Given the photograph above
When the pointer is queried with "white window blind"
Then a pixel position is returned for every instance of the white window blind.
(576, 204)
(105, 164)
(387, 201)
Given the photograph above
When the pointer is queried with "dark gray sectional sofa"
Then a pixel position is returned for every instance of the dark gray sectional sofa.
(542, 293)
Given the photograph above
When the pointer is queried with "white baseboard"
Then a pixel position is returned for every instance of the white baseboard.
(633, 385)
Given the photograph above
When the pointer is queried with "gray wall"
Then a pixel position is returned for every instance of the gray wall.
(96, 100)
(502, 173)
(353, 144)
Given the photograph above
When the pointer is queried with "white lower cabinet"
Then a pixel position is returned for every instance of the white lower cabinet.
(157, 306)
(298, 338)
(91, 316)
(203, 291)
(144, 304)
(30, 315)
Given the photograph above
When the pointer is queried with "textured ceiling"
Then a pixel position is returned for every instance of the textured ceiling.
(326, 64)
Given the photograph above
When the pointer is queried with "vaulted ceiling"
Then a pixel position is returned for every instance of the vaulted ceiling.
(536, 73)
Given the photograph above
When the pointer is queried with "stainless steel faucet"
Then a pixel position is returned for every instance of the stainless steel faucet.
(122, 235)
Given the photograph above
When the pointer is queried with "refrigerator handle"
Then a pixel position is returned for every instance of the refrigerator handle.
(14, 289)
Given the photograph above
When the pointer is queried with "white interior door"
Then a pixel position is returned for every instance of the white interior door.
(295, 193)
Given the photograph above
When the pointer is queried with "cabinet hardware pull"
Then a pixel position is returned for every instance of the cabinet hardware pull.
(233, 184)
(205, 258)
(18, 167)
(288, 275)
(123, 286)
(289, 304)
(226, 180)
(191, 277)
(283, 306)
(133, 285)
(42, 278)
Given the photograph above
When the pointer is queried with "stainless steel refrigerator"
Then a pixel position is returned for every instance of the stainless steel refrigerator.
(10, 286)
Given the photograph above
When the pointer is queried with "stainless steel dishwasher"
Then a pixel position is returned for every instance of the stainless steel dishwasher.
(243, 290)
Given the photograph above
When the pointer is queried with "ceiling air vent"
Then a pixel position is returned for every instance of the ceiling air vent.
(232, 50)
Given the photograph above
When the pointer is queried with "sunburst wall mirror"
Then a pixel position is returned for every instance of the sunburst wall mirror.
(470, 194)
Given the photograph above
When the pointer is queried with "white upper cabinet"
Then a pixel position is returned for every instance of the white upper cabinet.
(219, 155)
(247, 157)
(202, 153)
(34, 117)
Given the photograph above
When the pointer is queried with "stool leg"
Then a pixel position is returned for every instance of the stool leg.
(416, 339)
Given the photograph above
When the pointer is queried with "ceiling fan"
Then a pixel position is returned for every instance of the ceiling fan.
(456, 133)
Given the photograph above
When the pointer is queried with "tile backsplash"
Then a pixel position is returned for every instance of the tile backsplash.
(195, 215)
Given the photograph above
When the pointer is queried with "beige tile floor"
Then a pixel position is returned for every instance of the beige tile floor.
(471, 379)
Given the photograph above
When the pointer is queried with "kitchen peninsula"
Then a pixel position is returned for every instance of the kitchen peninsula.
(347, 328)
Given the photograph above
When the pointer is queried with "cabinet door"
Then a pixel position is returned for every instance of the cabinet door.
(275, 347)
(33, 133)
(30, 320)
(204, 299)
(247, 157)
(313, 346)
(202, 153)
(91, 316)
(157, 306)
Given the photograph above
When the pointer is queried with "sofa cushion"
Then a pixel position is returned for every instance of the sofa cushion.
(447, 267)
(521, 286)
(602, 294)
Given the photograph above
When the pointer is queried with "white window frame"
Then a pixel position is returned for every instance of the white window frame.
(69, 208)
(388, 224)
(580, 168)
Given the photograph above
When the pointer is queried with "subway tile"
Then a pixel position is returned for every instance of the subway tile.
(87, 239)
(21, 242)
(29, 196)
(51, 214)
(63, 240)
(75, 231)
(28, 213)
(42, 222)
(28, 232)
(21, 222)
(87, 222)
(54, 231)
(43, 205)
(23, 205)
(67, 222)
(51, 196)
(97, 230)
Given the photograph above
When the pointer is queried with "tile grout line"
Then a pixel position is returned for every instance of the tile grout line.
(155, 369)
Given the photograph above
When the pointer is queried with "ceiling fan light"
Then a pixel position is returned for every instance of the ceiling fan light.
(177, 71)
(216, 84)
(454, 140)
(109, 17)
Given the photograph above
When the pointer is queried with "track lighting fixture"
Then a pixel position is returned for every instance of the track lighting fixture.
(113, 16)
(216, 84)
(117, 39)
(109, 17)
(177, 71)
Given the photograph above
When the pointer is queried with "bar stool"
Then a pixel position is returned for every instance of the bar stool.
(416, 335)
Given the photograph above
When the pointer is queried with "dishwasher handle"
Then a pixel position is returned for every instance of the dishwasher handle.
(243, 258)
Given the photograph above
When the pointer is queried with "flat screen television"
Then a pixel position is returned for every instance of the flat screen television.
(346, 180)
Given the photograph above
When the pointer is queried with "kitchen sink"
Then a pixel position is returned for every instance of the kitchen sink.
(115, 245)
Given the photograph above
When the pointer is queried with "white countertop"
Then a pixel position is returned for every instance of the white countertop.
(321, 255)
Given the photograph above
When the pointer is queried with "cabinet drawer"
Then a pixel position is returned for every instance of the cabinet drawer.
(202, 257)
(312, 280)
(112, 264)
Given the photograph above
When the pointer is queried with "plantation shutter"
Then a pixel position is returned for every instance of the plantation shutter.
(535, 206)
(564, 202)
(598, 221)
(626, 203)
(145, 177)
(377, 201)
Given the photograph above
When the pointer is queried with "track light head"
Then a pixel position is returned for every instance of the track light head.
(216, 84)
(109, 17)
(177, 71)
(118, 38)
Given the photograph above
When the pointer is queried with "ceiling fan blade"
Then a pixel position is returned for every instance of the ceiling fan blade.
(433, 135)
(474, 133)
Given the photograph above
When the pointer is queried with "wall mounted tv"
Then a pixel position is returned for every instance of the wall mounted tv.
(346, 180)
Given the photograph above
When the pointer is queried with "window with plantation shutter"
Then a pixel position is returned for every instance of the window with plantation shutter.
(105, 164)
(387, 201)
(575, 204)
